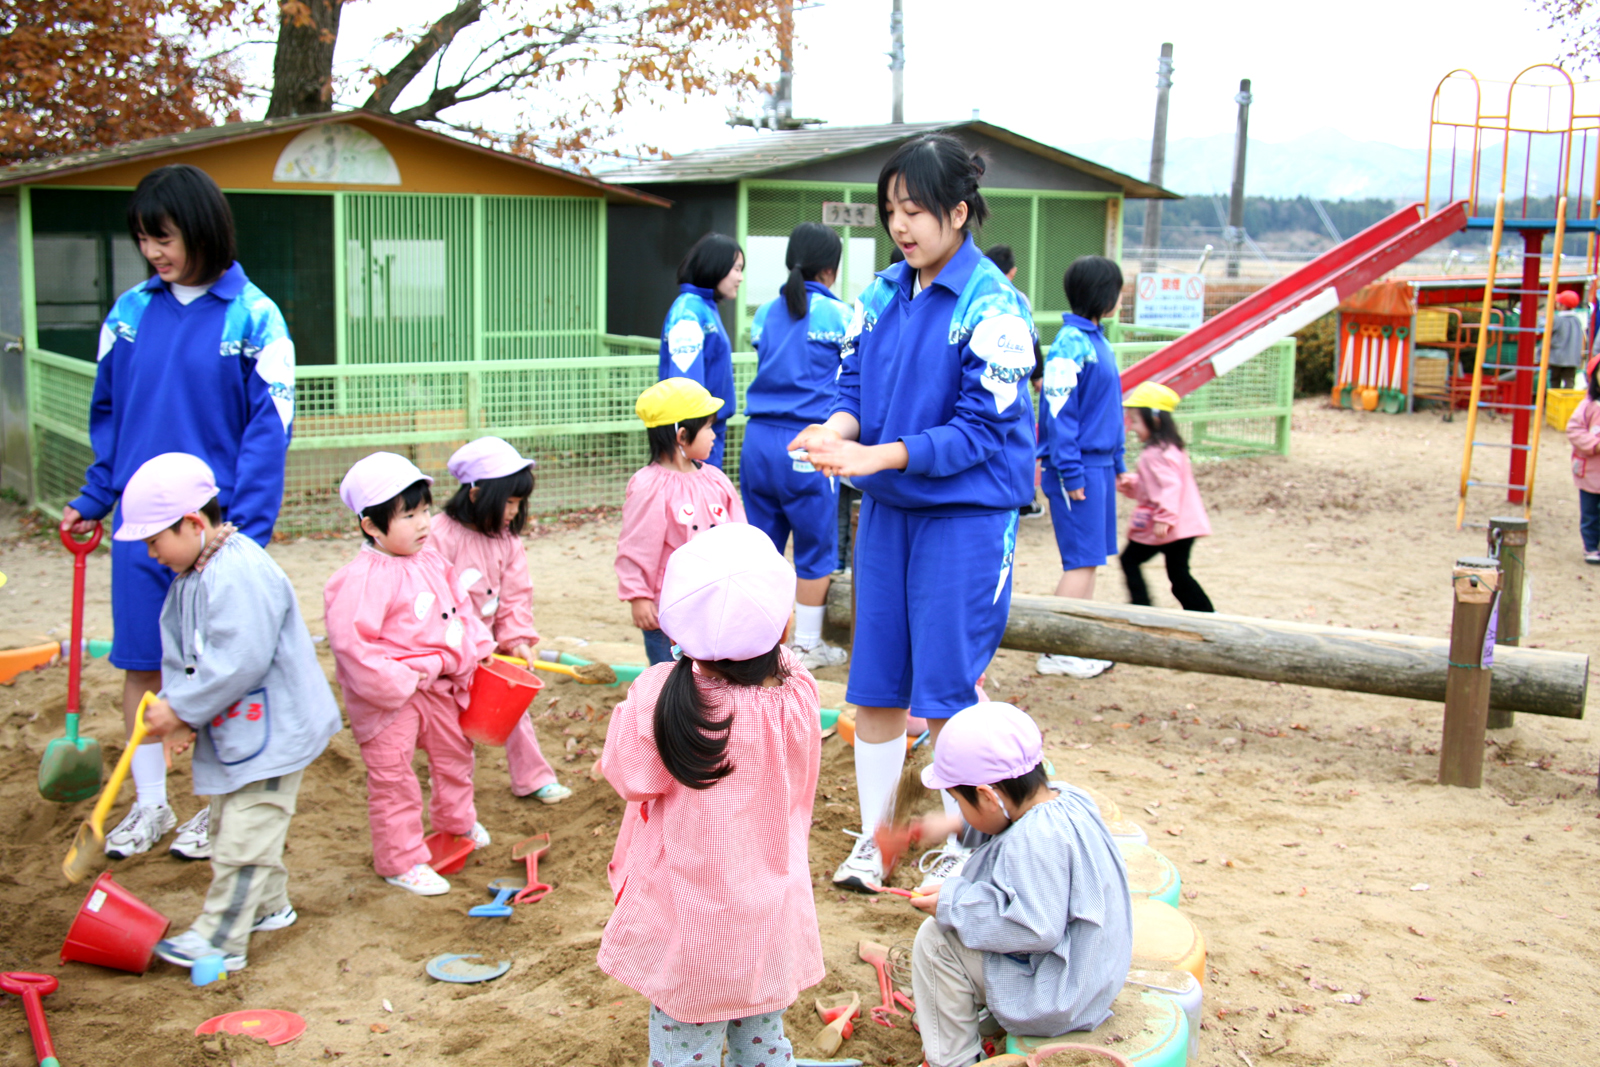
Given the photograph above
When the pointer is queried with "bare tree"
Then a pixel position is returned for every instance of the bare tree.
(302, 66)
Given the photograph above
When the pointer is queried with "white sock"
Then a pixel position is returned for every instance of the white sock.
(951, 808)
(808, 625)
(878, 768)
(150, 775)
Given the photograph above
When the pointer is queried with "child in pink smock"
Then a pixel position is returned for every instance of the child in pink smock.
(405, 645)
(717, 756)
(675, 498)
(1583, 430)
(480, 535)
(1169, 514)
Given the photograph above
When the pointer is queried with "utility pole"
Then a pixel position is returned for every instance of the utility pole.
(1158, 159)
(1235, 234)
(897, 63)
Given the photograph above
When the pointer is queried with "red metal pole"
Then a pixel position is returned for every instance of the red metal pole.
(1527, 356)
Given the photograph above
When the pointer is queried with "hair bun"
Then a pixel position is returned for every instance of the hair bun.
(978, 166)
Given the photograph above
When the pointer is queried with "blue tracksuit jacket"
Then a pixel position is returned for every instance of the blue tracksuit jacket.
(695, 345)
(214, 378)
(1080, 410)
(946, 374)
(798, 369)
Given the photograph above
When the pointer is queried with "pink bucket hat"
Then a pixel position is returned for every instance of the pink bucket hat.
(727, 594)
(379, 477)
(984, 744)
(163, 490)
(487, 457)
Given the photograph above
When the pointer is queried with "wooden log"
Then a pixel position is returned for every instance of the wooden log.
(1534, 680)
(1508, 543)
(1474, 582)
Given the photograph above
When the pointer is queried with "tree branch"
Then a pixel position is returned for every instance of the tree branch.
(438, 38)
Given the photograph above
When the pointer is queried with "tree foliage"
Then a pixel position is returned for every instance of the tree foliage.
(1579, 24)
(81, 74)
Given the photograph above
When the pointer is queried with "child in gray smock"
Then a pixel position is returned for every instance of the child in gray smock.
(1037, 926)
(241, 681)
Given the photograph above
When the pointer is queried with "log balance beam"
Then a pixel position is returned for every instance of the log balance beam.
(1531, 680)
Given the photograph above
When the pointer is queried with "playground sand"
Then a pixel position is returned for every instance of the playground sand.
(1318, 858)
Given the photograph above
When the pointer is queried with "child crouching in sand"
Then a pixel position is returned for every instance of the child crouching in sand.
(718, 757)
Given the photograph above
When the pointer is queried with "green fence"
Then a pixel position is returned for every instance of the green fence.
(573, 414)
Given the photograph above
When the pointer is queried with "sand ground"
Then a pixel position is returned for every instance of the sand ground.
(1318, 855)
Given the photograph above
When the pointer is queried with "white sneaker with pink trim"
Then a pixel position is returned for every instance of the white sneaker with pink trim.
(422, 880)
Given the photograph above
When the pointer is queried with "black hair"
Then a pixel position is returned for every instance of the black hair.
(1093, 285)
(813, 248)
(184, 199)
(1594, 384)
(694, 746)
(709, 261)
(1163, 428)
(211, 509)
(1003, 257)
(1017, 790)
(406, 499)
(664, 439)
(939, 175)
(487, 513)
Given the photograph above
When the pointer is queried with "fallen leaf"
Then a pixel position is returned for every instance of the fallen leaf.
(1349, 998)
(1479, 874)
(557, 1012)
(1414, 930)
(1200, 860)
(1290, 844)
(379, 1028)
(1499, 1014)
(1302, 891)
(1175, 831)
(1420, 887)
(597, 831)
(1122, 726)
(386, 1005)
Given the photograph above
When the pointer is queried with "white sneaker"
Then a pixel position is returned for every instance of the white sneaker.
(863, 868)
(422, 880)
(1074, 666)
(941, 863)
(284, 917)
(820, 655)
(187, 947)
(554, 793)
(194, 837)
(480, 836)
(139, 831)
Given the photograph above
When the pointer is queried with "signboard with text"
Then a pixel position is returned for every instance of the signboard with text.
(837, 214)
(1176, 300)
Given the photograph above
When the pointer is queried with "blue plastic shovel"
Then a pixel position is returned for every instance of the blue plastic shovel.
(502, 888)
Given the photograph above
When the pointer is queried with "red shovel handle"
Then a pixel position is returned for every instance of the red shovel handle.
(80, 551)
(32, 988)
(78, 548)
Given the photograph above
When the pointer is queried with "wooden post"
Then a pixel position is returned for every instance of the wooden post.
(1235, 231)
(1475, 582)
(1508, 543)
(1158, 160)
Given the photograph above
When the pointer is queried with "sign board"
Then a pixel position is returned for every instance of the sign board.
(1177, 300)
(837, 214)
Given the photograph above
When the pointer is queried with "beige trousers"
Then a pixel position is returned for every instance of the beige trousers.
(947, 983)
(248, 878)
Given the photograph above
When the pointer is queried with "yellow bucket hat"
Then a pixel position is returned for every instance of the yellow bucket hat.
(672, 400)
(1152, 395)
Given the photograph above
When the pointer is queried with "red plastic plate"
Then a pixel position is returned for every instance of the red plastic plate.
(263, 1024)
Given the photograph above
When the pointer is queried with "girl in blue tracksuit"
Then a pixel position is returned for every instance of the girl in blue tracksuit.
(935, 426)
(196, 360)
(694, 342)
(798, 339)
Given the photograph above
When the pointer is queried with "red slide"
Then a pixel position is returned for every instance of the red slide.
(1271, 314)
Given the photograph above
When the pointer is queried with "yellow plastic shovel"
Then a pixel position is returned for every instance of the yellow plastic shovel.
(90, 843)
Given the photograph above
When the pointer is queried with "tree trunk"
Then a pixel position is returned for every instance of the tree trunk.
(1388, 664)
(302, 67)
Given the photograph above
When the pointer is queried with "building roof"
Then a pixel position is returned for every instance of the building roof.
(767, 153)
(206, 136)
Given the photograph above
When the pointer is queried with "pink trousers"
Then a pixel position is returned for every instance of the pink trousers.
(529, 769)
(432, 722)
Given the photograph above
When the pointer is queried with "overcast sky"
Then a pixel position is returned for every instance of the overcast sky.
(1070, 73)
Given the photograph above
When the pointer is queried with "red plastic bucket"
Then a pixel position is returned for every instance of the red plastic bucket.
(501, 694)
(114, 929)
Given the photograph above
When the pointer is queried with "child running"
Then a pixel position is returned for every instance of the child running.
(405, 644)
(241, 682)
(1169, 513)
(480, 536)
(718, 758)
(694, 341)
(1037, 926)
(195, 359)
(1081, 440)
(1583, 430)
(933, 424)
(669, 501)
(798, 339)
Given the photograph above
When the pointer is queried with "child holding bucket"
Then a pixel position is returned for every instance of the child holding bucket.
(1038, 925)
(405, 644)
(240, 681)
(480, 535)
(672, 499)
(718, 757)
(1169, 513)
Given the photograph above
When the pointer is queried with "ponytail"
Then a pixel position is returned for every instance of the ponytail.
(694, 746)
(813, 248)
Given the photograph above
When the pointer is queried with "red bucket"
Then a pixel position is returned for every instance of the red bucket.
(501, 694)
(114, 929)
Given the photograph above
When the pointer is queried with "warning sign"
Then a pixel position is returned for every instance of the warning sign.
(1177, 300)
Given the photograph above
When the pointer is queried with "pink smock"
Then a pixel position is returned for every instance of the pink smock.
(664, 510)
(493, 571)
(715, 918)
(1583, 430)
(390, 617)
(1164, 490)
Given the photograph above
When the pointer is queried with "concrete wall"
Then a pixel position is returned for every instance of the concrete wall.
(645, 245)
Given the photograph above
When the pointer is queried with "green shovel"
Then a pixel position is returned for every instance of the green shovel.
(71, 769)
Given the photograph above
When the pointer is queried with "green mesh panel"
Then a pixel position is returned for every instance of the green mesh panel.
(1011, 223)
(408, 285)
(1068, 228)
